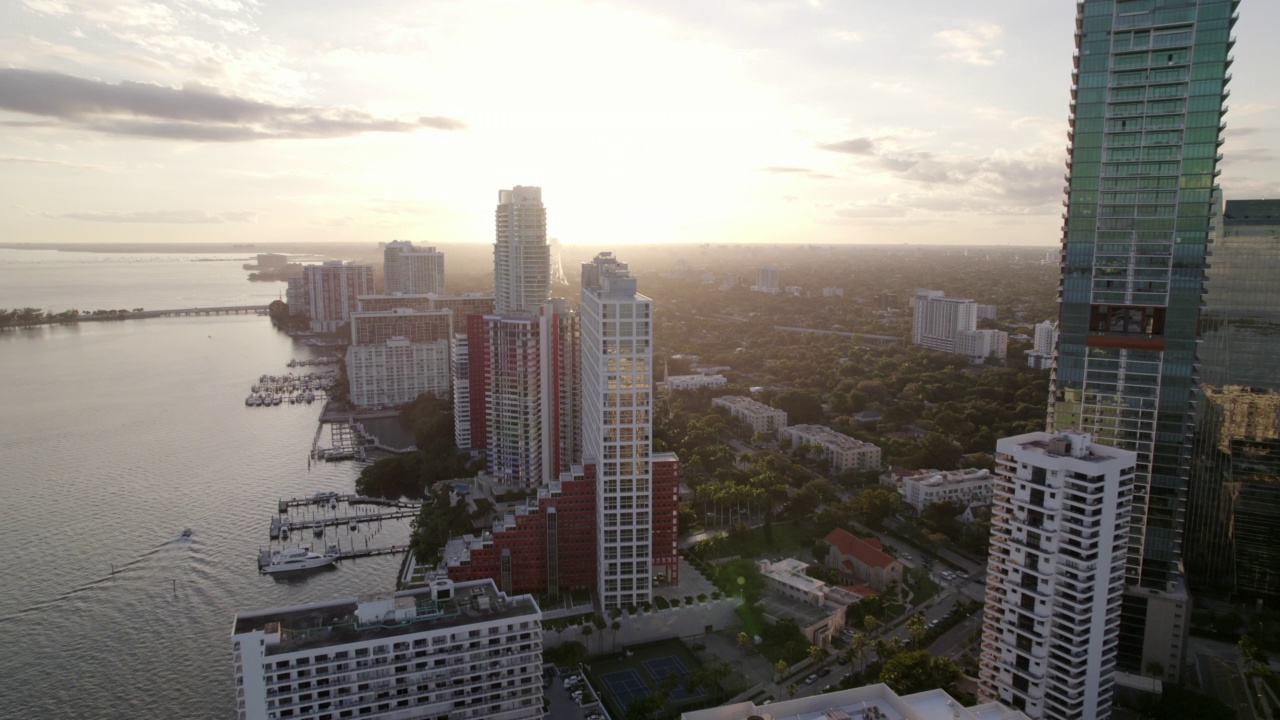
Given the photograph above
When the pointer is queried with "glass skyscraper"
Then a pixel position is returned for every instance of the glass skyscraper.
(1145, 128)
(1233, 516)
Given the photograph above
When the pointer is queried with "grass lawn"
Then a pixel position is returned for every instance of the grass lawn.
(784, 537)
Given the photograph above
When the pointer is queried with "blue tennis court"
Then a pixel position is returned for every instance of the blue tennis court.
(625, 685)
(661, 668)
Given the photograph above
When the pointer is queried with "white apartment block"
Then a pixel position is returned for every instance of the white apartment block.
(980, 344)
(869, 702)
(768, 280)
(397, 371)
(832, 292)
(759, 417)
(842, 451)
(1055, 575)
(986, 312)
(521, 255)
(1045, 334)
(966, 487)
(331, 292)
(617, 401)
(938, 321)
(412, 270)
(457, 651)
(693, 382)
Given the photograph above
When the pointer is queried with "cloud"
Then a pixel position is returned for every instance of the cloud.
(174, 217)
(974, 45)
(872, 210)
(797, 172)
(1248, 155)
(856, 146)
(194, 112)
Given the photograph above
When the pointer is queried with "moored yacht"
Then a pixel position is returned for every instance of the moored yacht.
(299, 558)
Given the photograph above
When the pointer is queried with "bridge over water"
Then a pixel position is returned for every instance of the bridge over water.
(226, 310)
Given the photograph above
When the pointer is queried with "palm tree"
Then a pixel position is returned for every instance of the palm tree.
(615, 627)
(587, 629)
(815, 653)
(780, 668)
(916, 628)
(744, 641)
(791, 690)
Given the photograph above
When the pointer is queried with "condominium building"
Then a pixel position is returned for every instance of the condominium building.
(1233, 513)
(759, 417)
(1040, 356)
(412, 270)
(869, 702)
(982, 344)
(964, 487)
(525, 371)
(397, 355)
(985, 312)
(549, 544)
(842, 451)
(521, 255)
(693, 382)
(1055, 575)
(1146, 124)
(456, 650)
(460, 353)
(295, 296)
(768, 280)
(331, 292)
(397, 371)
(617, 402)
(938, 321)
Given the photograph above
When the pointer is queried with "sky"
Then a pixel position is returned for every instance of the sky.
(644, 121)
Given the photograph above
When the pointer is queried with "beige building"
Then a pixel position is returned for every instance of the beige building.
(842, 451)
(862, 560)
(759, 417)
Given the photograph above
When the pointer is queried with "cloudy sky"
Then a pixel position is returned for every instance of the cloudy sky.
(923, 121)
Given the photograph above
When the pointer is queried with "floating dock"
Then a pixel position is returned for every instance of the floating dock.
(264, 556)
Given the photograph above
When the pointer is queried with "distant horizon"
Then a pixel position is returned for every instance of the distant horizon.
(758, 123)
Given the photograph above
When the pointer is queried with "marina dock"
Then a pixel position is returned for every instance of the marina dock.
(264, 556)
(323, 499)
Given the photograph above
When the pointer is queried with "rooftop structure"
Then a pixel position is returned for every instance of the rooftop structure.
(925, 487)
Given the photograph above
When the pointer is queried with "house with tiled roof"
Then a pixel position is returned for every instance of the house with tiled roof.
(861, 560)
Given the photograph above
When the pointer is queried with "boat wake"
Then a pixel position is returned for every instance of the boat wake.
(117, 572)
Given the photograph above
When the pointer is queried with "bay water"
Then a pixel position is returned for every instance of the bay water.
(114, 437)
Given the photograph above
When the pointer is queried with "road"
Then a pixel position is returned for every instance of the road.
(1217, 666)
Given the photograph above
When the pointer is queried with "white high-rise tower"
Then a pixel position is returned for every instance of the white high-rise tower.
(412, 270)
(617, 394)
(1055, 575)
(521, 256)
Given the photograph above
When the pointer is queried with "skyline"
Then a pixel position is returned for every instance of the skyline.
(770, 122)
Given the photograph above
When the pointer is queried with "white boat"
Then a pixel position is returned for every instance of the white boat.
(275, 400)
(248, 400)
(299, 558)
(186, 533)
(333, 503)
(354, 525)
(318, 528)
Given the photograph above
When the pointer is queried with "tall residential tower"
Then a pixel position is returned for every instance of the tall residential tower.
(521, 255)
(1146, 123)
(410, 270)
(617, 400)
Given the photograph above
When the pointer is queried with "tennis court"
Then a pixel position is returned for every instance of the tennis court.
(640, 672)
(625, 685)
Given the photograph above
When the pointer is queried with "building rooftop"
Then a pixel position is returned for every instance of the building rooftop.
(1067, 444)
(870, 702)
(936, 478)
(829, 437)
(383, 615)
(746, 404)
(866, 550)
